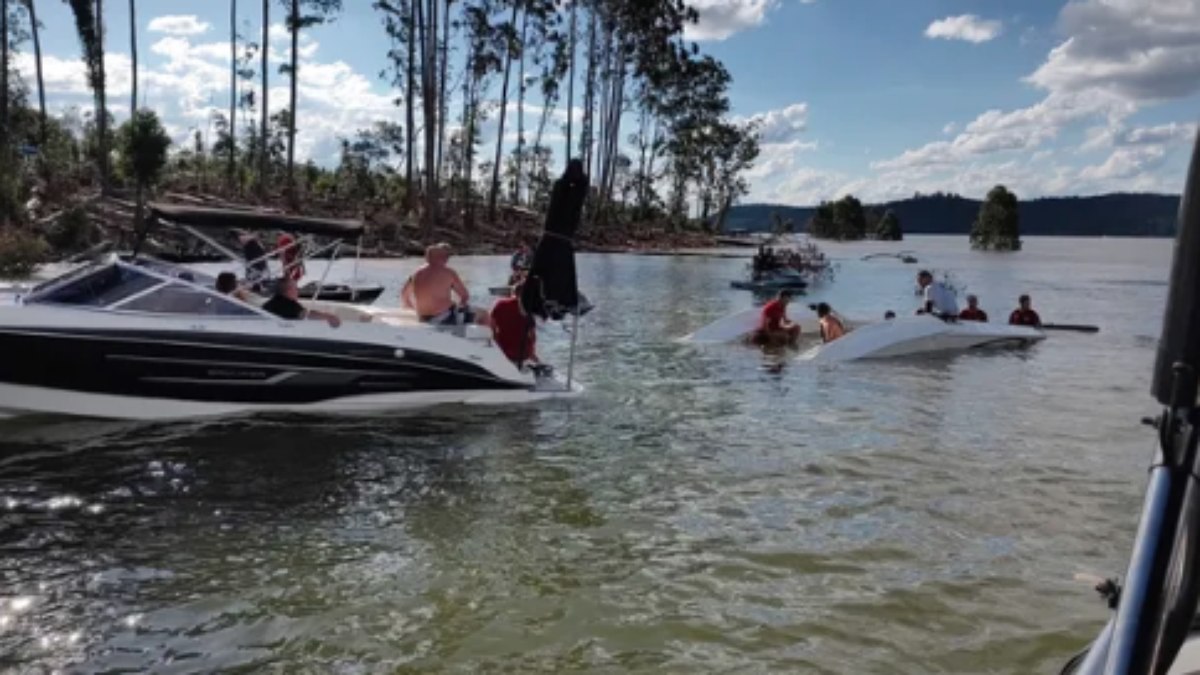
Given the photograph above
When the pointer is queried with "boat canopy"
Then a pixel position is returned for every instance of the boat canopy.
(144, 288)
(215, 218)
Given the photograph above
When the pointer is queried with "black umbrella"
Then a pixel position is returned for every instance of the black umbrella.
(555, 292)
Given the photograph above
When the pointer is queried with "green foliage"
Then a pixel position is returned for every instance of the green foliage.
(998, 225)
(20, 253)
(143, 144)
(889, 228)
(821, 223)
(72, 231)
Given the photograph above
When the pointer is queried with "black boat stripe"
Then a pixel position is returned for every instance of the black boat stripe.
(271, 381)
(247, 364)
(180, 343)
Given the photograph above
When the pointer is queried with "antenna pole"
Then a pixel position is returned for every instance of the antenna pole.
(571, 360)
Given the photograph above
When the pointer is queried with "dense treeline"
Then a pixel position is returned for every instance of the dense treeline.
(1115, 215)
(653, 129)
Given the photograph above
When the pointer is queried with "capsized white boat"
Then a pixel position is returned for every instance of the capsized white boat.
(738, 326)
(915, 335)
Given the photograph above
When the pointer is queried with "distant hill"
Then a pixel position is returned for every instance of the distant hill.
(1118, 214)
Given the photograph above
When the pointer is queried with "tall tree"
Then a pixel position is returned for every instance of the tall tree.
(89, 28)
(231, 170)
(508, 33)
(322, 10)
(133, 100)
(4, 126)
(294, 27)
(102, 118)
(516, 189)
(427, 24)
(443, 86)
(143, 145)
(400, 21)
(571, 37)
(34, 28)
(263, 132)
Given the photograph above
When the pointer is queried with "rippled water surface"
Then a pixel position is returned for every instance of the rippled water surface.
(698, 510)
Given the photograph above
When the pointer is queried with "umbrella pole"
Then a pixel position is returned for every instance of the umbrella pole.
(571, 359)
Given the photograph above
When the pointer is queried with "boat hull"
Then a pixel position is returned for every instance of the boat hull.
(95, 364)
(921, 335)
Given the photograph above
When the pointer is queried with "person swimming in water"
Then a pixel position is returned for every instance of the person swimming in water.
(832, 327)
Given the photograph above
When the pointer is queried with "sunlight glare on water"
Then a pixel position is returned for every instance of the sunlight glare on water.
(693, 511)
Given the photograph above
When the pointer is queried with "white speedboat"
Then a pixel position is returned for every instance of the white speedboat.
(920, 335)
(143, 339)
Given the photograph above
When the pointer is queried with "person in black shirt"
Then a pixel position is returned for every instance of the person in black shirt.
(285, 305)
(255, 256)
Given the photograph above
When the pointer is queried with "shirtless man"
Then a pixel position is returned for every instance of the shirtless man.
(428, 291)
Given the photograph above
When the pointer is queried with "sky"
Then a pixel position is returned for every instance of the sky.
(876, 98)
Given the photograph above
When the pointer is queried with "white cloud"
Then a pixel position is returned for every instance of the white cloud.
(1126, 162)
(950, 128)
(783, 125)
(1116, 58)
(1020, 129)
(721, 18)
(185, 24)
(966, 27)
(1143, 50)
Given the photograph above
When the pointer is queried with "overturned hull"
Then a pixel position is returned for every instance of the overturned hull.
(921, 335)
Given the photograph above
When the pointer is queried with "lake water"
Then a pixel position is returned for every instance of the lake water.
(697, 510)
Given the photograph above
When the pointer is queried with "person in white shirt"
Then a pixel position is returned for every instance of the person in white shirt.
(939, 300)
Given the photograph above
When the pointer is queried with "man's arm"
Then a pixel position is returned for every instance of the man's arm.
(459, 288)
(317, 315)
(407, 298)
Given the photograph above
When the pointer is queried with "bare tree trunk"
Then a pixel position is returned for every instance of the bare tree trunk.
(429, 100)
(232, 91)
(516, 195)
(4, 79)
(443, 111)
(133, 100)
(587, 135)
(37, 58)
(293, 198)
(571, 80)
(494, 193)
(102, 113)
(263, 159)
(410, 120)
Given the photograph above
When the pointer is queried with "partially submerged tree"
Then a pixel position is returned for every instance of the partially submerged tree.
(889, 228)
(998, 226)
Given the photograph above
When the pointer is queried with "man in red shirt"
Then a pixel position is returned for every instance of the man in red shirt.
(774, 327)
(1024, 315)
(513, 330)
(972, 312)
(290, 257)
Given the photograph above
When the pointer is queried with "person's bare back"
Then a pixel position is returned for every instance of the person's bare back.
(431, 289)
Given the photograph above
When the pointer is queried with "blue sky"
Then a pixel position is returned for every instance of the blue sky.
(879, 98)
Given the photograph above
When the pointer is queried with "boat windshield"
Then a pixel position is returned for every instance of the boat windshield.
(99, 286)
(126, 288)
